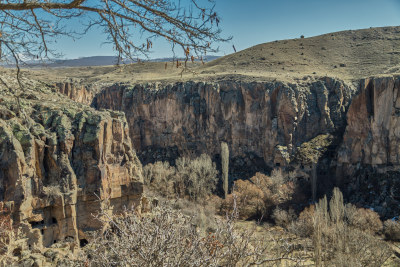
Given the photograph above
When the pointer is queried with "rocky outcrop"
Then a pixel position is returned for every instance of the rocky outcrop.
(257, 120)
(59, 162)
(373, 132)
(76, 92)
(348, 132)
(369, 156)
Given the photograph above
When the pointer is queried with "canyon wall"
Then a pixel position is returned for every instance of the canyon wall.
(59, 163)
(368, 160)
(349, 131)
(262, 123)
(76, 92)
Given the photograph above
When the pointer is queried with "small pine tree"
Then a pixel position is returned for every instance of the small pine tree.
(225, 166)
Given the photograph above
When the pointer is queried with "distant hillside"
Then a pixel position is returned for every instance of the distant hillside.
(100, 61)
(86, 61)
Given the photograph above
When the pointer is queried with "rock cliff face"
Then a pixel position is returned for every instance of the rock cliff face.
(56, 158)
(263, 123)
(349, 132)
(369, 156)
(78, 93)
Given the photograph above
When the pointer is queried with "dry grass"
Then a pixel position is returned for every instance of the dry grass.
(347, 55)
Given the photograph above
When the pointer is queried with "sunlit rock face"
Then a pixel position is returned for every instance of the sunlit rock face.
(350, 131)
(76, 92)
(257, 120)
(59, 162)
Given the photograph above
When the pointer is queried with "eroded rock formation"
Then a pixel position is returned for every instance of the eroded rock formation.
(369, 156)
(59, 162)
(258, 120)
(76, 92)
(272, 124)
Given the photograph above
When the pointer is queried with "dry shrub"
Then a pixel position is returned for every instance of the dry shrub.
(258, 196)
(168, 238)
(197, 178)
(193, 178)
(391, 229)
(202, 215)
(249, 199)
(337, 243)
(282, 217)
(275, 187)
(360, 249)
(363, 219)
(303, 226)
(159, 177)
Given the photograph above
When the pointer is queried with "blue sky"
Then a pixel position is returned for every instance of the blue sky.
(252, 22)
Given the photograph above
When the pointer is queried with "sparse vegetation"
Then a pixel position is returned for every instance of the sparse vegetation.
(363, 219)
(303, 226)
(283, 217)
(160, 178)
(192, 178)
(337, 242)
(168, 238)
(258, 196)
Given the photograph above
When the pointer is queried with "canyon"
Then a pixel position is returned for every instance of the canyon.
(71, 147)
(349, 130)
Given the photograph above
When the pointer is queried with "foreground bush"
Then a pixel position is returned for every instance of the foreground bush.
(168, 238)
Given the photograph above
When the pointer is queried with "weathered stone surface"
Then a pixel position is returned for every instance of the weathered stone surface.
(78, 93)
(281, 124)
(373, 124)
(369, 156)
(253, 118)
(60, 162)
